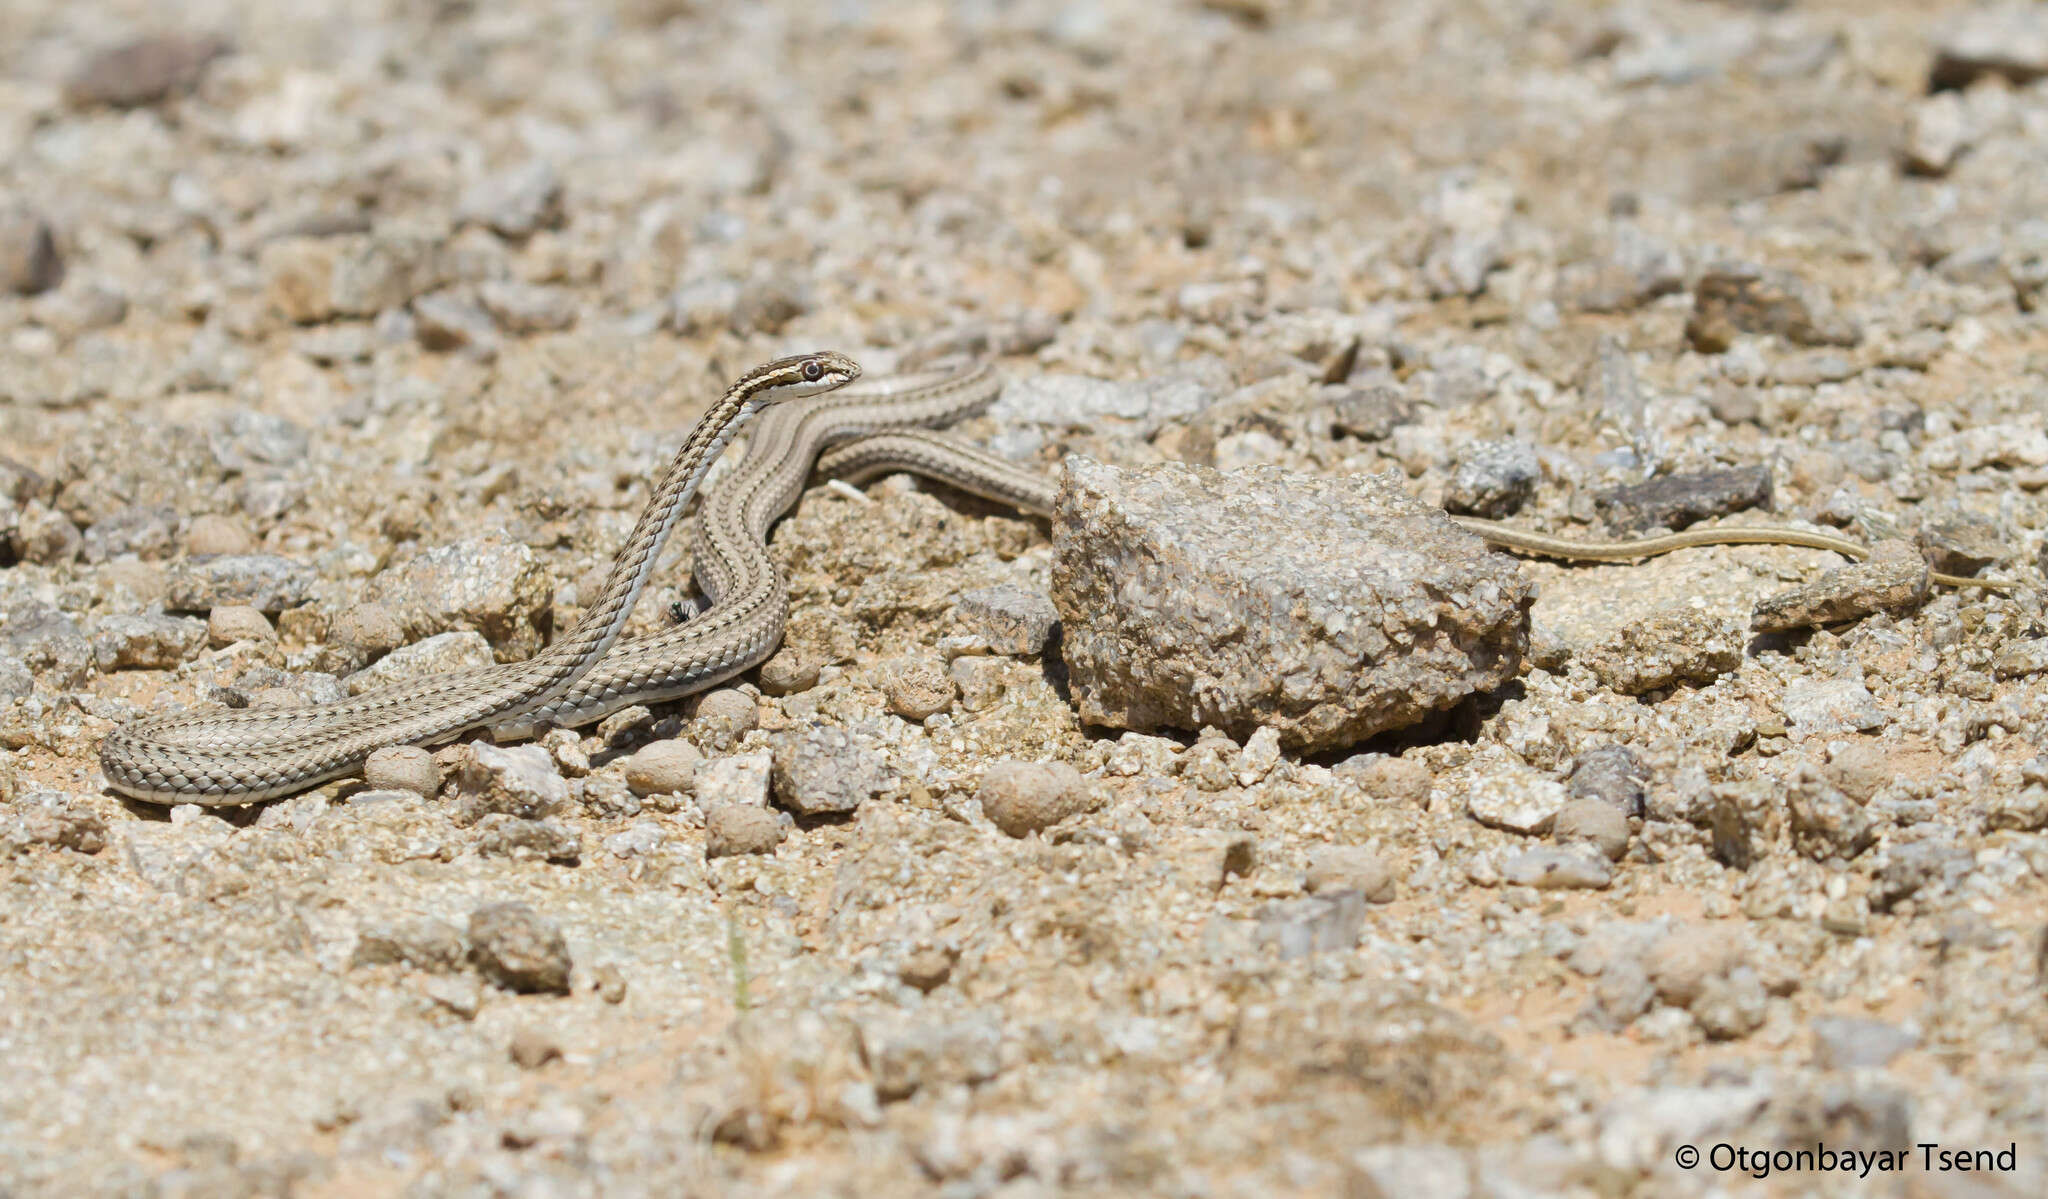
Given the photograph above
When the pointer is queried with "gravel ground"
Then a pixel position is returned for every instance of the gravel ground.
(343, 346)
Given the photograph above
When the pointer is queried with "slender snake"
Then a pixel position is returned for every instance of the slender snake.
(807, 405)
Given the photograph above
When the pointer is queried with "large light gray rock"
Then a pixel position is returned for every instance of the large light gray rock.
(1327, 609)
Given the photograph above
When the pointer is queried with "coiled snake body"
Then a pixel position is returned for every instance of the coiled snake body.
(807, 404)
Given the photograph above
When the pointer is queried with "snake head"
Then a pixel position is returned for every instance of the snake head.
(797, 376)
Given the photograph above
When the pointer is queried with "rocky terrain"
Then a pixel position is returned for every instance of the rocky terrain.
(342, 342)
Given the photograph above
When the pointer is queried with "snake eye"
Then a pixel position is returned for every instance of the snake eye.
(813, 371)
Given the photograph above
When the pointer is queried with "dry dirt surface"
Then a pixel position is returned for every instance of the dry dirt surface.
(342, 339)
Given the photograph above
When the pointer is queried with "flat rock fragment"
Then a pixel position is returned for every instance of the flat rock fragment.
(1672, 646)
(1555, 868)
(1956, 541)
(266, 582)
(1676, 501)
(1736, 298)
(1823, 707)
(2022, 658)
(143, 71)
(1326, 609)
(1894, 579)
(1008, 619)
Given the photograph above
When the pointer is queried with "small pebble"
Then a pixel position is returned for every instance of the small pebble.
(1021, 798)
(1371, 413)
(363, 633)
(519, 949)
(788, 672)
(722, 718)
(624, 725)
(271, 582)
(531, 1049)
(1493, 479)
(1682, 961)
(402, 768)
(521, 308)
(1395, 779)
(611, 983)
(927, 969)
(460, 994)
(512, 780)
(149, 641)
(568, 752)
(665, 767)
(1611, 774)
(230, 623)
(1260, 755)
(29, 262)
(638, 840)
(916, 688)
(1517, 800)
(739, 828)
(1550, 868)
(1593, 822)
(524, 840)
(1208, 762)
(213, 533)
(1350, 868)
